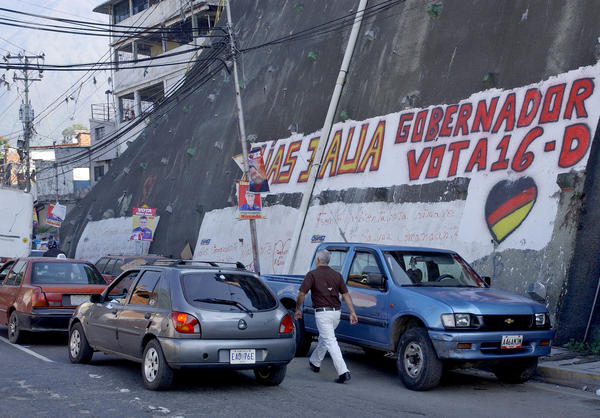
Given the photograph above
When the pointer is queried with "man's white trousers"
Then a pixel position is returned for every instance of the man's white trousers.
(327, 322)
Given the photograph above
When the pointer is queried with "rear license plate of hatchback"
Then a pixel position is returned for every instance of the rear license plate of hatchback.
(511, 341)
(79, 299)
(245, 356)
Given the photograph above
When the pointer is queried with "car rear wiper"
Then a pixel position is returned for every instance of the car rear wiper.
(226, 302)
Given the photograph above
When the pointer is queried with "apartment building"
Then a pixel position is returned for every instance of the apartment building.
(172, 31)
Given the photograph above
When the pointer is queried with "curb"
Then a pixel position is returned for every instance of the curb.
(568, 375)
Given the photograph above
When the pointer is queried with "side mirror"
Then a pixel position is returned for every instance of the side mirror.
(376, 280)
(96, 298)
(487, 280)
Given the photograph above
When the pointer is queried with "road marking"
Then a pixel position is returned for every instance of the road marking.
(27, 350)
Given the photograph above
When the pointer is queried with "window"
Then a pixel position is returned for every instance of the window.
(143, 290)
(4, 271)
(365, 272)
(98, 172)
(227, 292)
(139, 5)
(124, 285)
(121, 11)
(338, 256)
(116, 270)
(100, 264)
(160, 297)
(15, 277)
(109, 266)
(100, 130)
(431, 269)
(65, 273)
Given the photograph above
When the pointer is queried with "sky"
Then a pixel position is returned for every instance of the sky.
(58, 49)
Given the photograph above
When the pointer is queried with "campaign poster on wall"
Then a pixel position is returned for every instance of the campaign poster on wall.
(257, 174)
(143, 224)
(55, 215)
(249, 203)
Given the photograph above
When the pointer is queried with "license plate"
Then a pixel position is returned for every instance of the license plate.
(246, 356)
(511, 341)
(79, 299)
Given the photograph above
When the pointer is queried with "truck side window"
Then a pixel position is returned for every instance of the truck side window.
(338, 256)
(365, 272)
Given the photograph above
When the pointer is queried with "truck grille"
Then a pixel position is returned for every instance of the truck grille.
(508, 322)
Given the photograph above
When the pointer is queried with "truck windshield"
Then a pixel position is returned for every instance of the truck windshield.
(423, 268)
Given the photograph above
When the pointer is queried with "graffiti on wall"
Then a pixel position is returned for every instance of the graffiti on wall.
(495, 132)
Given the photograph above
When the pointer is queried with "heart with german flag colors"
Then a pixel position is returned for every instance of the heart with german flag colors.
(507, 206)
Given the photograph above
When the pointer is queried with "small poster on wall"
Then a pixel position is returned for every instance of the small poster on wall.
(56, 214)
(249, 203)
(256, 172)
(143, 224)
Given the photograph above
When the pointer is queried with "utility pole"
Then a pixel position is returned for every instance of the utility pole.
(315, 165)
(242, 127)
(24, 64)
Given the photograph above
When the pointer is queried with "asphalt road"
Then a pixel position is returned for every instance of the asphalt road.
(41, 382)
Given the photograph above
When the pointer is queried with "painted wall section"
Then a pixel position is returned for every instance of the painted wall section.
(108, 236)
(511, 144)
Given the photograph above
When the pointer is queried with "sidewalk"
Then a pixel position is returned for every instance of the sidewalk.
(567, 368)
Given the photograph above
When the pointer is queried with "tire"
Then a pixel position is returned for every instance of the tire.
(15, 333)
(416, 360)
(303, 340)
(156, 372)
(516, 370)
(270, 375)
(79, 348)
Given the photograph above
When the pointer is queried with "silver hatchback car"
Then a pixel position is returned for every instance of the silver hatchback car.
(185, 315)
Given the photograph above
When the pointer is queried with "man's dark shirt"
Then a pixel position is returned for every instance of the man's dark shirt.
(53, 252)
(325, 285)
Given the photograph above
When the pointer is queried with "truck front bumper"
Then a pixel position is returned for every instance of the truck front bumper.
(477, 345)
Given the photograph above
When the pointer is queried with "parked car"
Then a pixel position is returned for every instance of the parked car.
(41, 293)
(178, 316)
(37, 253)
(112, 265)
(429, 308)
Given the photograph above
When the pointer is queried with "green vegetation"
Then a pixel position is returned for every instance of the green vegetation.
(581, 347)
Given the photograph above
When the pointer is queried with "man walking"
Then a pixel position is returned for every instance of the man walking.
(326, 285)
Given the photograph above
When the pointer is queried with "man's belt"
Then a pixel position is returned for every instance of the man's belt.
(326, 309)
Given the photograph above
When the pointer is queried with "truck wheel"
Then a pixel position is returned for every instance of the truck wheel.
(15, 334)
(516, 370)
(270, 375)
(156, 372)
(303, 340)
(416, 360)
(79, 349)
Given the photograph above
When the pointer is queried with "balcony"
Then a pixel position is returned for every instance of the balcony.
(103, 112)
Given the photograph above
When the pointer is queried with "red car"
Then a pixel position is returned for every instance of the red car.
(41, 293)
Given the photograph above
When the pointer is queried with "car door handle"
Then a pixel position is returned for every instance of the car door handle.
(147, 316)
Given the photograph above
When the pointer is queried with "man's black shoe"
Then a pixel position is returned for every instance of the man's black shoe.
(313, 367)
(345, 377)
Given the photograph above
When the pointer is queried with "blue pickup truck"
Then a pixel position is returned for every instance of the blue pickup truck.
(429, 308)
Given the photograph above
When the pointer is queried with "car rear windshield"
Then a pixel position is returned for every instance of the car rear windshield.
(65, 273)
(227, 292)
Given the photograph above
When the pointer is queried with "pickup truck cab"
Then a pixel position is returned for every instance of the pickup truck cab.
(429, 308)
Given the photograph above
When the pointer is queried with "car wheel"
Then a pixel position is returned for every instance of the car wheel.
(156, 372)
(15, 334)
(79, 349)
(416, 360)
(270, 375)
(303, 340)
(516, 370)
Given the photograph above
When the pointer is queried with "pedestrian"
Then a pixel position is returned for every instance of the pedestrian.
(325, 285)
(53, 250)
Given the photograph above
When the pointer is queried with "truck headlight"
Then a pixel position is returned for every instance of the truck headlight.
(542, 320)
(457, 320)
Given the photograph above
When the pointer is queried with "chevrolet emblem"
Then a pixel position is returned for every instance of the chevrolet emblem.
(509, 321)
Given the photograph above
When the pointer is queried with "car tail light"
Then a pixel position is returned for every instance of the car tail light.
(38, 299)
(287, 325)
(185, 323)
